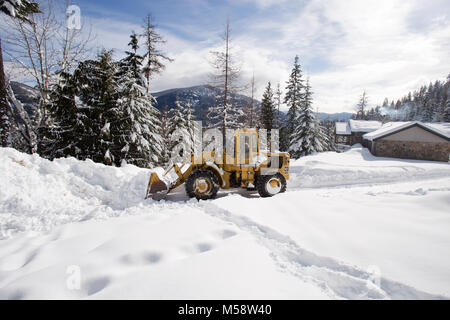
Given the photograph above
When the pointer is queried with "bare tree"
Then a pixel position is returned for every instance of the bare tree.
(17, 10)
(362, 106)
(250, 112)
(154, 58)
(278, 94)
(43, 48)
(225, 79)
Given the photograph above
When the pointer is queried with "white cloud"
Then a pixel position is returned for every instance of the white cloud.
(386, 47)
(379, 53)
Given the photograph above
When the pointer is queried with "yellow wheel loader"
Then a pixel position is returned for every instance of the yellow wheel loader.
(247, 167)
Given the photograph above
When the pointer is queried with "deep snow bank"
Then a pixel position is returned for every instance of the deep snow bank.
(358, 166)
(37, 194)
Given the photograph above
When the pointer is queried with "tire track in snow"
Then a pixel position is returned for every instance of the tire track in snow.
(339, 280)
(370, 181)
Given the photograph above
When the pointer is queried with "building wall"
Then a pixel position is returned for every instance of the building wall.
(414, 134)
(356, 137)
(435, 151)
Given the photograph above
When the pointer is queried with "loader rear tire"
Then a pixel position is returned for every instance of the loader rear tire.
(268, 186)
(202, 184)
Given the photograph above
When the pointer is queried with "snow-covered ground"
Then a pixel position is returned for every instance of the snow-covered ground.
(350, 226)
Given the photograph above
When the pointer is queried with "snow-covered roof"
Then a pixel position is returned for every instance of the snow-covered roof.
(364, 126)
(343, 128)
(442, 129)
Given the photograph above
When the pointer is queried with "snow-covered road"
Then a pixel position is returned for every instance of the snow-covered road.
(350, 226)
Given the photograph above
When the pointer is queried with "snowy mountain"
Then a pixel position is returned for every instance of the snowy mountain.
(29, 96)
(201, 97)
(341, 116)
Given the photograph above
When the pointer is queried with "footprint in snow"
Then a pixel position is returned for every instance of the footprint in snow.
(203, 247)
(96, 285)
(225, 234)
(149, 257)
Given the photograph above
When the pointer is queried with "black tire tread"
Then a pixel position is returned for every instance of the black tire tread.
(261, 184)
(189, 185)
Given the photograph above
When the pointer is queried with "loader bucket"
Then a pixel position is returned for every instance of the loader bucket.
(157, 189)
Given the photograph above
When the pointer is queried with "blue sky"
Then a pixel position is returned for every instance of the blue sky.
(386, 47)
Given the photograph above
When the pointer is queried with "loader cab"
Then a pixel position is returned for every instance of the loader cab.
(246, 146)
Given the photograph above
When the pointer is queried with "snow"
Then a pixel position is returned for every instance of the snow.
(390, 127)
(387, 128)
(343, 128)
(345, 218)
(442, 127)
(363, 125)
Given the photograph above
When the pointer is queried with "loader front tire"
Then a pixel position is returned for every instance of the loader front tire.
(268, 186)
(202, 184)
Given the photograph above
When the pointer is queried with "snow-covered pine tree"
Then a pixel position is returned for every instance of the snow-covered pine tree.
(133, 61)
(65, 132)
(250, 114)
(135, 134)
(192, 129)
(277, 95)
(428, 105)
(445, 109)
(165, 137)
(268, 112)
(19, 9)
(328, 129)
(224, 115)
(178, 133)
(5, 116)
(98, 92)
(308, 136)
(293, 98)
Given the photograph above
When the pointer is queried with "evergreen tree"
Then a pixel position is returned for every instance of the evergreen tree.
(250, 114)
(308, 136)
(191, 128)
(133, 61)
(328, 130)
(19, 9)
(98, 93)
(294, 95)
(178, 133)
(278, 94)
(445, 103)
(136, 138)
(165, 136)
(268, 109)
(136, 132)
(427, 104)
(5, 116)
(293, 98)
(224, 116)
(64, 134)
